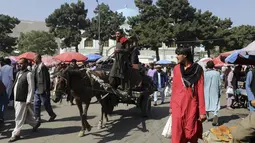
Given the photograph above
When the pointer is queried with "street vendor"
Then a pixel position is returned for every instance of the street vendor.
(119, 72)
(245, 130)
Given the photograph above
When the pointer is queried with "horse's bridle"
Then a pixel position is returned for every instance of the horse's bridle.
(66, 85)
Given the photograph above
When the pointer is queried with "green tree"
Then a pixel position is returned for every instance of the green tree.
(109, 22)
(146, 26)
(212, 30)
(67, 23)
(223, 31)
(7, 42)
(39, 42)
(180, 25)
(240, 37)
(206, 30)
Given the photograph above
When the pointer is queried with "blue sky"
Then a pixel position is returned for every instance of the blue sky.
(240, 11)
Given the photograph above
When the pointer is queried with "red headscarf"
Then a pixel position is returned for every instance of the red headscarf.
(123, 40)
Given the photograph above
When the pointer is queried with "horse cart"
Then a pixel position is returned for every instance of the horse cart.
(141, 97)
(86, 84)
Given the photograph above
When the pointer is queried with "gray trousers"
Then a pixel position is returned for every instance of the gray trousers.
(245, 131)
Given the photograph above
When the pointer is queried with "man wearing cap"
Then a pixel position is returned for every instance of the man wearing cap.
(160, 81)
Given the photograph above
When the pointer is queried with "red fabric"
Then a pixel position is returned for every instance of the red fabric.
(186, 109)
(68, 56)
(217, 62)
(27, 55)
(123, 39)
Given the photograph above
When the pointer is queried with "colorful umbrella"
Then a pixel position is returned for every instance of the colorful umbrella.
(205, 60)
(238, 58)
(217, 62)
(68, 56)
(50, 61)
(93, 57)
(13, 59)
(202, 62)
(27, 55)
(223, 56)
(163, 62)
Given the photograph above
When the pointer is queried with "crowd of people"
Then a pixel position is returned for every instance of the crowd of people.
(29, 83)
(195, 92)
(196, 95)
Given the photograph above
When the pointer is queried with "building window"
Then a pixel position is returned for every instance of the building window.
(88, 43)
(106, 43)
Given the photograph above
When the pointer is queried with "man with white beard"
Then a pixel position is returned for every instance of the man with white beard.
(23, 96)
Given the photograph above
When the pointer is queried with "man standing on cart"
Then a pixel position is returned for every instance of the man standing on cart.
(119, 73)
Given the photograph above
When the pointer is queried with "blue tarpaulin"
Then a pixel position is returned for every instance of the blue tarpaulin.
(232, 57)
(237, 58)
(244, 56)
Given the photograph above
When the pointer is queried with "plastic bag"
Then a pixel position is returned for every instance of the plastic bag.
(230, 90)
(168, 91)
(167, 131)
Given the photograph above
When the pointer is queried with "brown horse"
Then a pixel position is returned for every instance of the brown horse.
(84, 88)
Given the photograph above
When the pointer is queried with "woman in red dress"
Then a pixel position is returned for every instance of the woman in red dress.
(187, 105)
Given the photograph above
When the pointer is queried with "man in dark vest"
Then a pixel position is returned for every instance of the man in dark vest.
(23, 95)
(42, 89)
(119, 73)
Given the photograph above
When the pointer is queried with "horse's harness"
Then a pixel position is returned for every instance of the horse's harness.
(67, 86)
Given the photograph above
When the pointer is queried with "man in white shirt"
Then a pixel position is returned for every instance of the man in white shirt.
(160, 81)
(7, 77)
(23, 96)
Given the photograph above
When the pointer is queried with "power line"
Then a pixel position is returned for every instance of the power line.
(196, 41)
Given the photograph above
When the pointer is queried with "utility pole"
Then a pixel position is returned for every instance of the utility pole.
(99, 27)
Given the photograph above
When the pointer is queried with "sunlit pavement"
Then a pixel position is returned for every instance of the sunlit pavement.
(125, 125)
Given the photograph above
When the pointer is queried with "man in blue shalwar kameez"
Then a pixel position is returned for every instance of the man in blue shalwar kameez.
(212, 84)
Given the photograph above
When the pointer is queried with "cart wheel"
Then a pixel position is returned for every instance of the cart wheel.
(146, 105)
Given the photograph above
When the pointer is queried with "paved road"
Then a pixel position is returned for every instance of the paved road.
(126, 125)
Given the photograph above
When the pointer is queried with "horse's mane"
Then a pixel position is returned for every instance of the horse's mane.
(77, 72)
